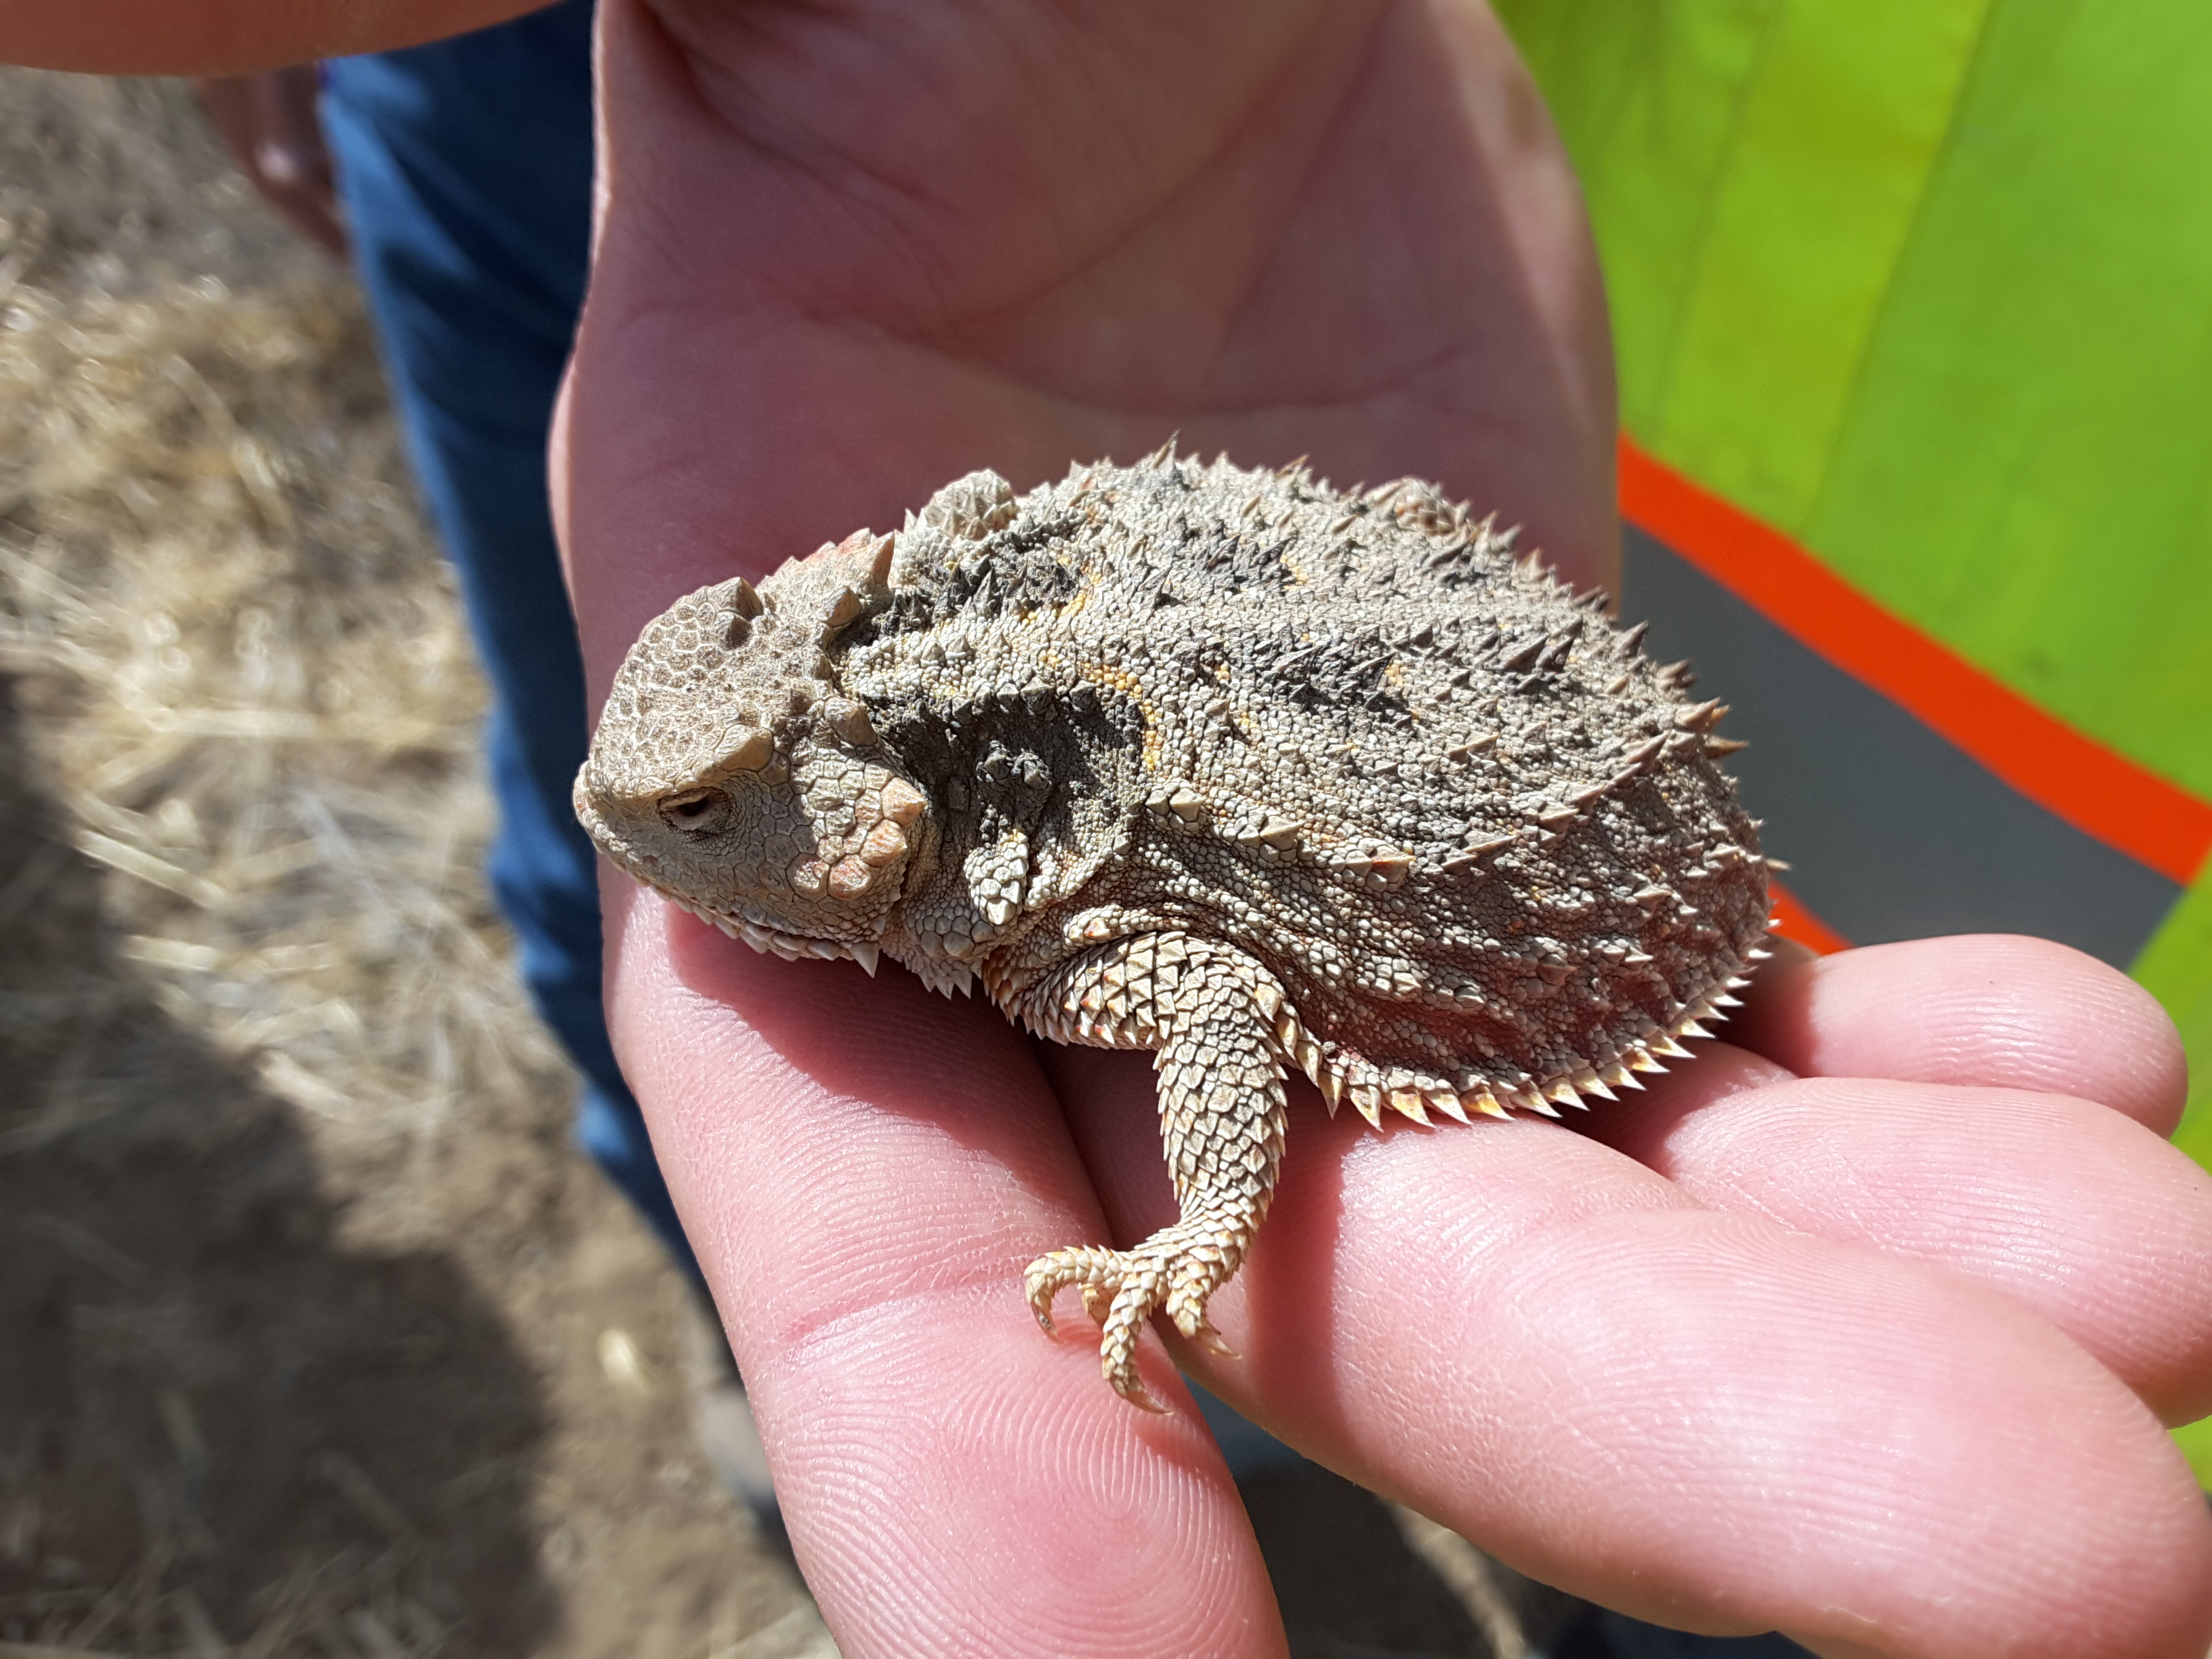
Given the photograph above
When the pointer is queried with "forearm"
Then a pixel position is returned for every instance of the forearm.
(227, 37)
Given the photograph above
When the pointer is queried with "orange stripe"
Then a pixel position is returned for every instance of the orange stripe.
(2102, 794)
(1793, 921)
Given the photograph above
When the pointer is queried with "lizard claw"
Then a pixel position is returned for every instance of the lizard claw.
(1122, 1290)
(1136, 1395)
(1203, 1333)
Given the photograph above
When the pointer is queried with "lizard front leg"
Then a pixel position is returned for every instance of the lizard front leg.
(1213, 1015)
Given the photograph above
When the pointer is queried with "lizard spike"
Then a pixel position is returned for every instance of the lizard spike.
(1536, 1102)
(1563, 1092)
(1407, 1103)
(1447, 1101)
(1367, 1101)
(1620, 1077)
(1641, 1059)
(1722, 999)
(1331, 1085)
(1591, 1083)
(1664, 1044)
(1690, 1028)
(1759, 953)
(866, 955)
(1481, 1100)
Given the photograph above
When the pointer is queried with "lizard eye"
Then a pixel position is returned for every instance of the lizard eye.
(696, 811)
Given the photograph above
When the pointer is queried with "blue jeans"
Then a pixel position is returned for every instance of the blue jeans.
(465, 166)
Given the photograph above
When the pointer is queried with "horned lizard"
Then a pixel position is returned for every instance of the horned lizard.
(1225, 764)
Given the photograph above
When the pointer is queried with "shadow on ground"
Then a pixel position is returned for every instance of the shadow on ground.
(1359, 1579)
(218, 1423)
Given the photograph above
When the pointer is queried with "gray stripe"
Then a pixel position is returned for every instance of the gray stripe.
(1895, 831)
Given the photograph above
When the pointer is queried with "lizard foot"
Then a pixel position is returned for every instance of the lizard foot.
(1174, 1272)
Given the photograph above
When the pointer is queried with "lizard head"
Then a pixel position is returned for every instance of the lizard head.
(730, 773)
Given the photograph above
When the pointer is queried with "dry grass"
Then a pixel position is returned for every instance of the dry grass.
(305, 1301)
(255, 695)
(258, 699)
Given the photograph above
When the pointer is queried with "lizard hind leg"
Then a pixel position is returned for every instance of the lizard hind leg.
(1212, 1014)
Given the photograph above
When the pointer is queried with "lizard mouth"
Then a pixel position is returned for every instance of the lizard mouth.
(754, 929)
(770, 941)
(745, 923)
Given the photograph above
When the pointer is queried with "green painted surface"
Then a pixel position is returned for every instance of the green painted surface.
(1929, 286)
(1755, 168)
(2196, 1443)
(1646, 97)
(2176, 967)
(1833, 141)
(2027, 469)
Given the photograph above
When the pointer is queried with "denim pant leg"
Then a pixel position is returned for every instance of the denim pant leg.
(465, 166)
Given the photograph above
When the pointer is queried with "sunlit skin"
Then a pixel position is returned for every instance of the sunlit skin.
(1861, 1326)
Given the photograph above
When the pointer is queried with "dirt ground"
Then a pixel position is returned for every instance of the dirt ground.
(315, 1336)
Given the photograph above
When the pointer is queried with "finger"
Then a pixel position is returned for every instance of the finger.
(1698, 1417)
(268, 122)
(864, 1170)
(1980, 1009)
(2083, 1216)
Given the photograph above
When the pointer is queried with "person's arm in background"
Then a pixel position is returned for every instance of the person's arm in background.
(1863, 1330)
(227, 37)
(269, 120)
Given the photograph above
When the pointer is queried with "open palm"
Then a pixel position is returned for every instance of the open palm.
(1905, 1257)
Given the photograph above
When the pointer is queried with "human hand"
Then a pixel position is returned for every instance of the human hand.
(1860, 1326)
(845, 257)
(269, 122)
